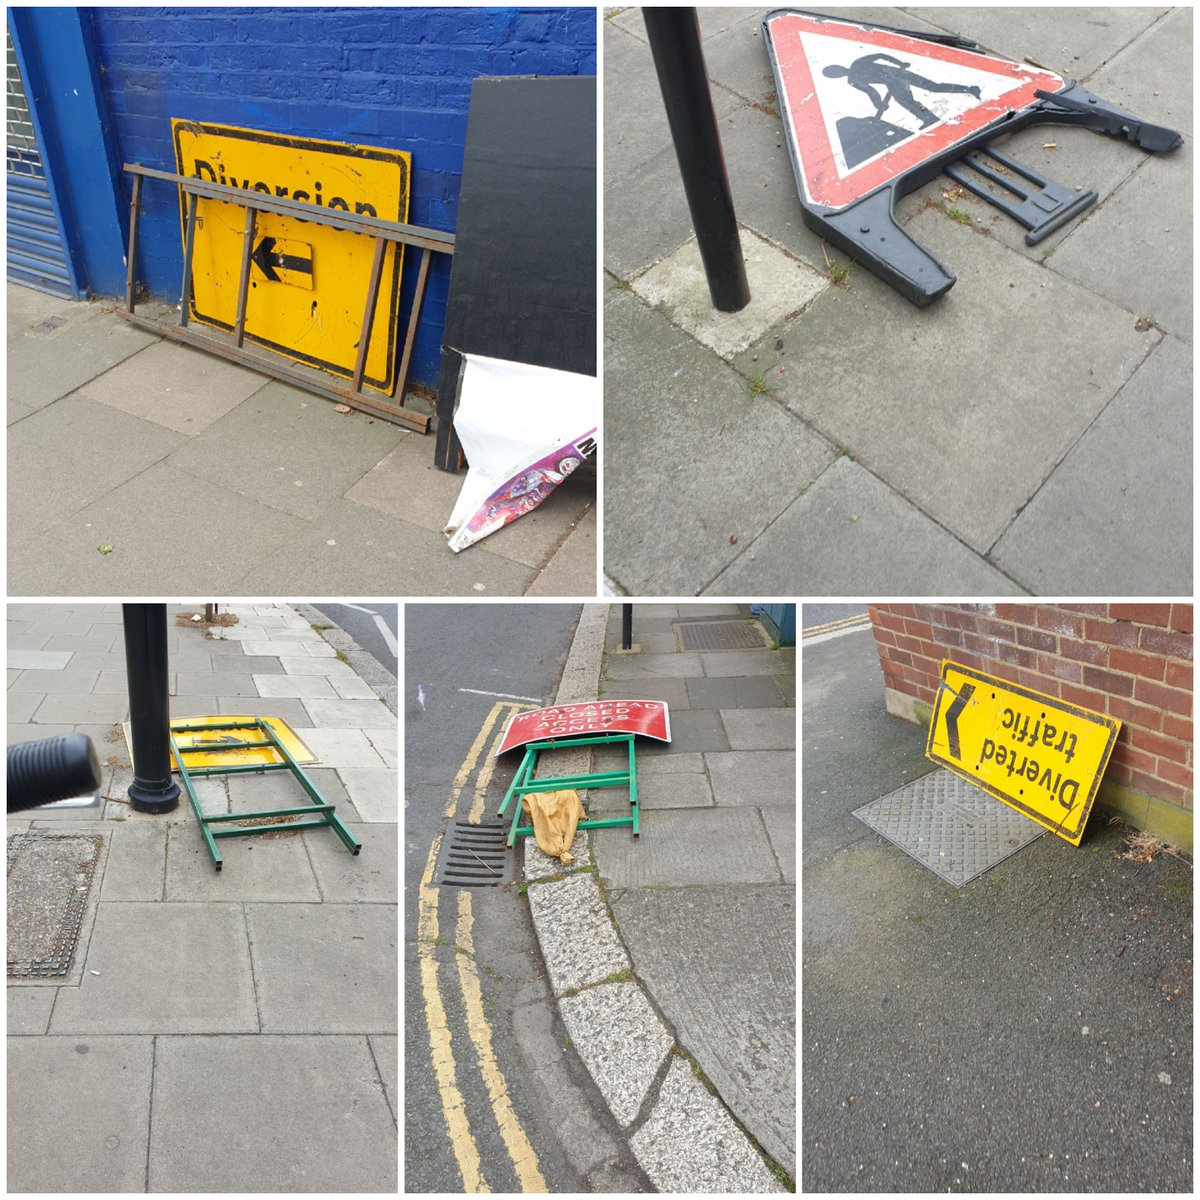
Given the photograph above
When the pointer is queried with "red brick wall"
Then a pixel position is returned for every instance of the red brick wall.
(1131, 661)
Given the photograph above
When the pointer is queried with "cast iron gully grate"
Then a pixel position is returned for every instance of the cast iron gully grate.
(474, 856)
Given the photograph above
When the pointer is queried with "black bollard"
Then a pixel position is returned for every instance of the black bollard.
(626, 626)
(674, 35)
(153, 790)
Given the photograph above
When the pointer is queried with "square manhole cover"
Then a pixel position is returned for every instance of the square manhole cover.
(50, 877)
(719, 635)
(950, 826)
(474, 856)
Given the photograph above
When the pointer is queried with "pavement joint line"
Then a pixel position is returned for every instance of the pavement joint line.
(1083, 433)
(982, 556)
(382, 1085)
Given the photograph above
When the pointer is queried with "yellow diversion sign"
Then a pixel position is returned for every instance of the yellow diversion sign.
(1040, 755)
(308, 282)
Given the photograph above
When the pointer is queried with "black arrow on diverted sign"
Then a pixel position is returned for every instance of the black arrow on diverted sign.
(961, 699)
(265, 258)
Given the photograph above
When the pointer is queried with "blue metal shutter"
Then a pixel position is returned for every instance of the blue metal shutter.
(37, 254)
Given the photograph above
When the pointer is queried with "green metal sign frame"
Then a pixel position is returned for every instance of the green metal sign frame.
(322, 811)
(524, 783)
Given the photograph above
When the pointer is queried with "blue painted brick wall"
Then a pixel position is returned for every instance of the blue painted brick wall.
(394, 77)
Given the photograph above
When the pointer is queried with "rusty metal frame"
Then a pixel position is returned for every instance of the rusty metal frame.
(428, 241)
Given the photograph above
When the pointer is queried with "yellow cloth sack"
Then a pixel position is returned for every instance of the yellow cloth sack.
(555, 815)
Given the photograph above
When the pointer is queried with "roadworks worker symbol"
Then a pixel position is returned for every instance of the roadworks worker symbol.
(1041, 756)
(864, 104)
(308, 282)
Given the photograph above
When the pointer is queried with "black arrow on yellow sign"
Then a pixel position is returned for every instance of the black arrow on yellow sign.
(961, 699)
(265, 258)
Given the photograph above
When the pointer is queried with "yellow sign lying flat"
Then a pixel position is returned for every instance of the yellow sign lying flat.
(308, 282)
(288, 737)
(1042, 756)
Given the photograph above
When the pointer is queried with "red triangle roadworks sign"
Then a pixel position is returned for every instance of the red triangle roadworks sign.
(864, 105)
(872, 113)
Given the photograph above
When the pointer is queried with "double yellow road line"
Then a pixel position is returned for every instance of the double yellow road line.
(441, 1048)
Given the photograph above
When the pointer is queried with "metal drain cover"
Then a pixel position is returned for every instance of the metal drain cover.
(474, 856)
(949, 825)
(719, 635)
(49, 879)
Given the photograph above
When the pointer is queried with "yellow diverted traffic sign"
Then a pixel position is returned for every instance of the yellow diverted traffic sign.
(308, 282)
(1042, 756)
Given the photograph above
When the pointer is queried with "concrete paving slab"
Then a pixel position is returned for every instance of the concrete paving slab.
(1145, 75)
(577, 937)
(371, 876)
(781, 829)
(325, 968)
(80, 710)
(675, 790)
(697, 729)
(724, 663)
(1136, 248)
(953, 454)
(213, 683)
(44, 364)
(353, 689)
(22, 705)
(349, 714)
(136, 859)
(621, 1041)
(690, 1144)
(780, 287)
(1086, 530)
(295, 686)
(308, 664)
(684, 847)
(214, 1087)
(287, 449)
(631, 90)
(354, 550)
(648, 668)
(261, 867)
(180, 541)
(175, 386)
(94, 449)
(339, 748)
(850, 534)
(29, 1007)
(743, 1032)
(737, 691)
(657, 378)
(163, 968)
(374, 791)
(760, 728)
(37, 660)
(758, 777)
(87, 1119)
(278, 789)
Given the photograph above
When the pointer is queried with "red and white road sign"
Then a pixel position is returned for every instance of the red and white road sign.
(864, 105)
(649, 718)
